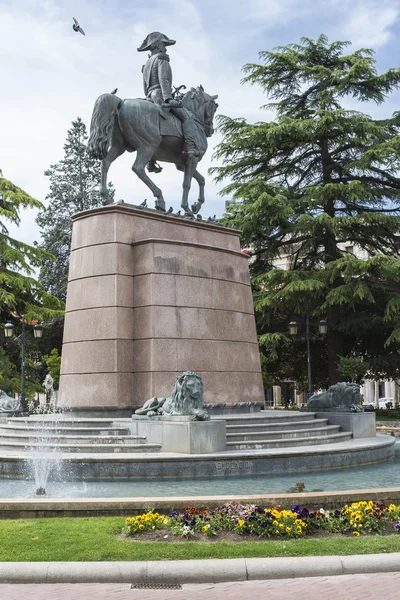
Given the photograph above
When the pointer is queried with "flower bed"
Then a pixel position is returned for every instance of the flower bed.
(235, 521)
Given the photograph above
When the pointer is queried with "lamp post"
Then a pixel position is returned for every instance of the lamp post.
(37, 332)
(308, 337)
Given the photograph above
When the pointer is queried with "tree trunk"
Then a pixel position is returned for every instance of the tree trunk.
(334, 345)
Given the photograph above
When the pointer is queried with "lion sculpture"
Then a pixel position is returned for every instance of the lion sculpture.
(343, 395)
(186, 400)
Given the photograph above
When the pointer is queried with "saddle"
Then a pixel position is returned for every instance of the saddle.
(170, 124)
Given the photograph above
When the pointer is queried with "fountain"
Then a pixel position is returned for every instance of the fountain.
(43, 459)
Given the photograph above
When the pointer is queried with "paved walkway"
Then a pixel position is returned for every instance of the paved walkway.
(376, 586)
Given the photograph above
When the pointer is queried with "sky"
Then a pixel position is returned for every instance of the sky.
(51, 74)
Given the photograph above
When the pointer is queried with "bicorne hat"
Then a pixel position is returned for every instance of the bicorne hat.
(156, 36)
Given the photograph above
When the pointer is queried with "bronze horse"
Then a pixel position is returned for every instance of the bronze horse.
(134, 125)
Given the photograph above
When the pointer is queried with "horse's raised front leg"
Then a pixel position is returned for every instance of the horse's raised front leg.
(117, 148)
(142, 158)
(190, 168)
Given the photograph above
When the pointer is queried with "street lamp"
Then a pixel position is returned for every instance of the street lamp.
(8, 333)
(322, 328)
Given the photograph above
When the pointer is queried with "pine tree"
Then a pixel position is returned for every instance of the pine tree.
(318, 177)
(19, 291)
(74, 183)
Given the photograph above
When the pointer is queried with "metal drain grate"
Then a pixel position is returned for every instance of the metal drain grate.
(156, 586)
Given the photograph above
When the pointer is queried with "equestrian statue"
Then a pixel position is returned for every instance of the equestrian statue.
(166, 126)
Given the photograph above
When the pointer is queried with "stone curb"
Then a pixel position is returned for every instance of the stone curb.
(197, 571)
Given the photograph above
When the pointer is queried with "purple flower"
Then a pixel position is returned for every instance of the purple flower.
(398, 526)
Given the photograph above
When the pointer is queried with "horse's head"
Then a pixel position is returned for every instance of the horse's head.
(210, 107)
(203, 106)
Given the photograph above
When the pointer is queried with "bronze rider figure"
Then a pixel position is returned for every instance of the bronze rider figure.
(157, 83)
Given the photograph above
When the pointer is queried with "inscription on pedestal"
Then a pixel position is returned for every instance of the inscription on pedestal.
(238, 466)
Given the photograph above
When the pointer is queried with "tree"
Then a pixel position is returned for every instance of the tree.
(74, 183)
(314, 180)
(21, 296)
(19, 291)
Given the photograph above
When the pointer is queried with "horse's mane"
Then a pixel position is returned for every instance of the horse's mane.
(193, 101)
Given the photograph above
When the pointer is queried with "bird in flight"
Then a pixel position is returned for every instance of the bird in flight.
(77, 27)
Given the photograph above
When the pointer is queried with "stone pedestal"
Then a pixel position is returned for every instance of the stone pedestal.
(152, 295)
(362, 424)
(181, 434)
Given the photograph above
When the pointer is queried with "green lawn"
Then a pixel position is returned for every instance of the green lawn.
(91, 539)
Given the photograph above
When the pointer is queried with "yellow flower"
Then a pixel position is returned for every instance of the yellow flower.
(128, 529)
(277, 531)
(288, 529)
(204, 528)
(165, 521)
(356, 533)
(240, 522)
(141, 526)
(275, 522)
(281, 525)
(128, 519)
(392, 508)
(299, 531)
(358, 518)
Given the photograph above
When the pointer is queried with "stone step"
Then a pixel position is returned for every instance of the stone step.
(285, 425)
(267, 416)
(282, 434)
(32, 449)
(294, 443)
(40, 429)
(59, 420)
(54, 438)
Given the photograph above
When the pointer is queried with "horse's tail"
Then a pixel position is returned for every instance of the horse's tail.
(103, 119)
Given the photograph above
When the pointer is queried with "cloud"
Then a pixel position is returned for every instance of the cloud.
(370, 24)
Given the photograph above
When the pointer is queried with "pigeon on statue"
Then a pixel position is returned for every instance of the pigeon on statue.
(76, 27)
(114, 91)
(144, 204)
(169, 211)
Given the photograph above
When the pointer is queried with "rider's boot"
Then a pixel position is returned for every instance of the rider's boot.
(153, 167)
(191, 150)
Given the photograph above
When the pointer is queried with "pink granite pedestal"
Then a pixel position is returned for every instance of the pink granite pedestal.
(152, 295)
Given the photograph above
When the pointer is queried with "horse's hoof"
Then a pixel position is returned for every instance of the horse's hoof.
(160, 205)
(196, 207)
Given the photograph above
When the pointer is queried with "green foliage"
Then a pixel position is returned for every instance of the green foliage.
(352, 368)
(19, 291)
(8, 380)
(74, 183)
(312, 186)
(53, 364)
